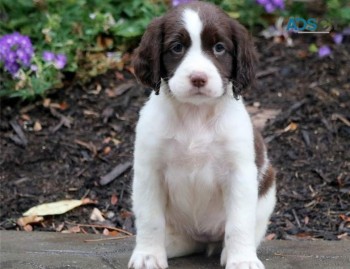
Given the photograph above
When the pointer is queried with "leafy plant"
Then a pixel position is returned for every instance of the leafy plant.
(338, 11)
(93, 34)
(75, 28)
(246, 11)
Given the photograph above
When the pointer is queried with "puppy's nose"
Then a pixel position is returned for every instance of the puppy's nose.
(198, 79)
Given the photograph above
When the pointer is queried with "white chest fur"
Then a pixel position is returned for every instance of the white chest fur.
(192, 172)
(192, 148)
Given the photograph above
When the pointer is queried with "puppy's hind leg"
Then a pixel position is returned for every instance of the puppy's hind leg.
(178, 245)
(265, 207)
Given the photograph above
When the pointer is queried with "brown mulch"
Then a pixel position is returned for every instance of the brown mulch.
(80, 143)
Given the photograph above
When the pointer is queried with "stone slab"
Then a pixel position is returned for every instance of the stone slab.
(39, 250)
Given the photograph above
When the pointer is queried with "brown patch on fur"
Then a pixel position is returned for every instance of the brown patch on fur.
(147, 56)
(259, 149)
(174, 34)
(245, 59)
(154, 58)
(269, 176)
(238, 63)
(267, 181)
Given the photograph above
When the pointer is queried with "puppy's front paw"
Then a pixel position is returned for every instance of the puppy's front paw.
(246, 265)
(149, 259)
(240, 261)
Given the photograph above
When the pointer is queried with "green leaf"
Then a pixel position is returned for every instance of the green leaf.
(313, 48)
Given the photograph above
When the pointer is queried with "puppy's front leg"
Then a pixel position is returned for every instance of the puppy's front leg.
(240, 199)
(148, 205)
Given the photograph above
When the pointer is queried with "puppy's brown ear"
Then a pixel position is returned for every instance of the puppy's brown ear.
(244, 60)
(147, 56)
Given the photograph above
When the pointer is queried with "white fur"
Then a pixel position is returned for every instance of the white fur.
(196, 181)
(195, 61)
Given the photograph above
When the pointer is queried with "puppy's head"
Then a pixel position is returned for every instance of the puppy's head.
(198, 50)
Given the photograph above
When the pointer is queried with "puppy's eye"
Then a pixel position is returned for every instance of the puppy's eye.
(219, 48)
(178, 48)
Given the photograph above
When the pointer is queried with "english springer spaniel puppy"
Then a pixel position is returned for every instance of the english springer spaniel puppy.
(201, 171)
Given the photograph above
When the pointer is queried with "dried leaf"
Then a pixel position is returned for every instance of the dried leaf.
(302, 54)
(97, 90)
(124, 214)
(72, 230)
(270, 237)
(98, 87)
(130, 69)
(116, 141)
(25, 117)
(56, 208)
(37, 126)
(28, 228)
(113, 233)
(114, 199)
(342, 118)
(96, 215)
(104, 42)
(107, 150)
(119, 75)
(63, 106)
(90, 113)
(46, 102)
(343, 236)
(106, 140)
(291, 127)
(304, 235)
(345, 218)
(23, 221)
(120, 89)
(105, 231)
(90, 146)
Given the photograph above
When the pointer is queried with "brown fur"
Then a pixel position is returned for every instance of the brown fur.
(269, 176)
(154, 58)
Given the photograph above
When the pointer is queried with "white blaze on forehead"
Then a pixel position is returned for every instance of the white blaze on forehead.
(195, 60)
(193, 25)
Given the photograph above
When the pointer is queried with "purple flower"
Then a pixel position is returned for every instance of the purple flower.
(23, 57)
(60, 61)
(278, 3)
(179, 2)
(324, 51)
(262, 2)
(34, 67)
(48, 56)
(338, 38)
(16, 51)
(271, 5)
(12, 67)
(269, 8)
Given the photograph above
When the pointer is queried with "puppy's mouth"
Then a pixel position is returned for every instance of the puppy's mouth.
(199, 91)
(196, 92)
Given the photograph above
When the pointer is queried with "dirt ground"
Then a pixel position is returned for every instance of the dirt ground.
(65, 146)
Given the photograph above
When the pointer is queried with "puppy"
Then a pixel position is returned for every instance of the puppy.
(201, 171)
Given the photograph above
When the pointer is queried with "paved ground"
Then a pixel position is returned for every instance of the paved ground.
(21, 250)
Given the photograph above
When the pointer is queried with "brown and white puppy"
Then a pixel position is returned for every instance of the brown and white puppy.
(201, 172)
